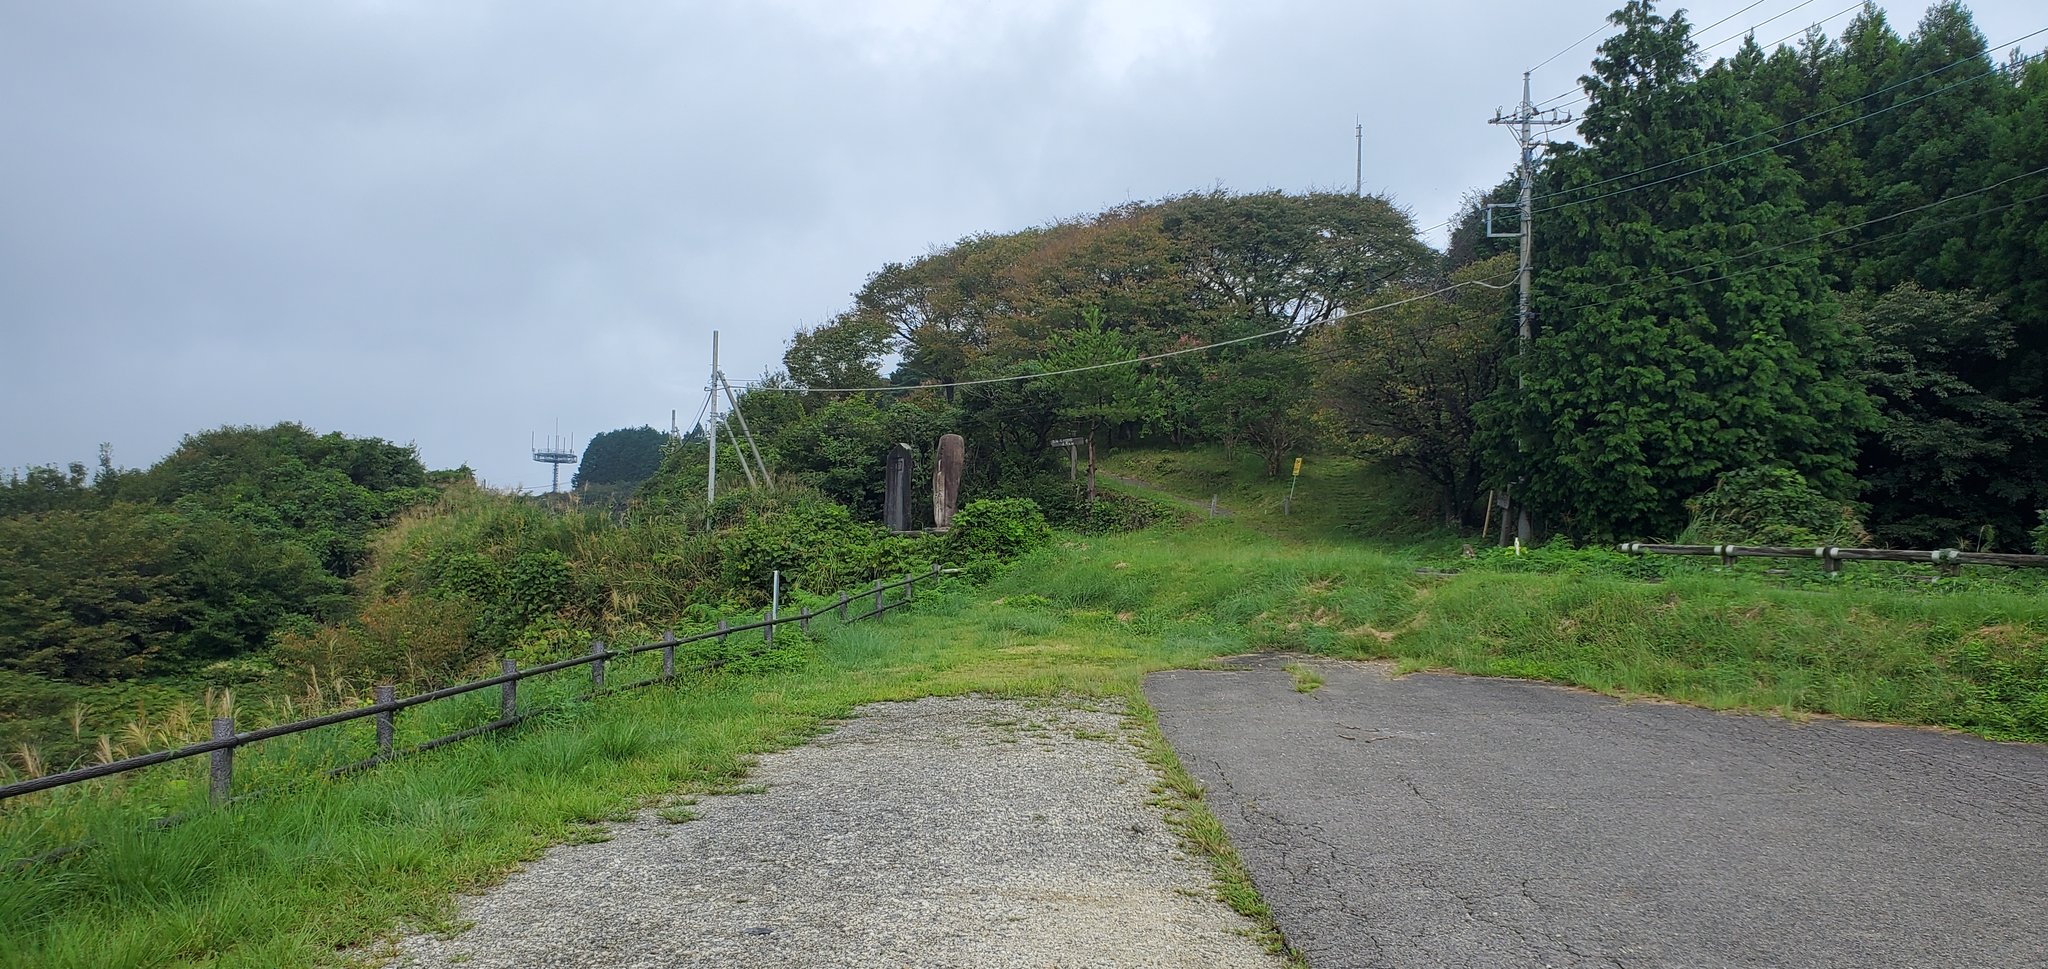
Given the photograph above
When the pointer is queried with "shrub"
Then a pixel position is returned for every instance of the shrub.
(1772, 506)
(997, 528)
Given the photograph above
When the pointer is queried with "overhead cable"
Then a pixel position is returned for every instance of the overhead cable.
(1818, 114)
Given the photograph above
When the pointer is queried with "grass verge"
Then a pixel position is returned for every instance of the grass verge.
(310, 877)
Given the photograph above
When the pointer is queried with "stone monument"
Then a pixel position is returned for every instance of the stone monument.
(896, 488)
(946, 479)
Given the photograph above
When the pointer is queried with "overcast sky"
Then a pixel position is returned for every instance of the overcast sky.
(460, 223)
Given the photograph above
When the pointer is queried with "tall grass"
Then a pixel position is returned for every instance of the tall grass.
(324, 869)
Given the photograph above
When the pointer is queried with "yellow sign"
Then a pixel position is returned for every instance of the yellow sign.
(1297, 467)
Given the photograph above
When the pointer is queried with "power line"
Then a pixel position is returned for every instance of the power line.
(1838, 231)
(1789, 141)
(1475, 318)
(1746, 32)
(1570, 47)
(1483, 281)
(1147, 358)
(1666, 47)
(1818, 114)
(1842, 248)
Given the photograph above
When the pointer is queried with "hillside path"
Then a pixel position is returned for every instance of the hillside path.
(942, 832)
(1436, 820)
(1192, 504)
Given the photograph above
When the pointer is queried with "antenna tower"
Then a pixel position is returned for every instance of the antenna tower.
(558, 451)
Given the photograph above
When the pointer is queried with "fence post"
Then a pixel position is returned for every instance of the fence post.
(508, 693)
(878, 596)
(222, 774)
(844, 598)
(721, 632)
(803, 619)
(597, 663)
(385, 694)
(1727, 555)
(668, 654)
(909, 586)
(774, 604)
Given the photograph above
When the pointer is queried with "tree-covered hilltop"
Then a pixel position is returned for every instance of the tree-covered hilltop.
(1825, 258)
(198, 558)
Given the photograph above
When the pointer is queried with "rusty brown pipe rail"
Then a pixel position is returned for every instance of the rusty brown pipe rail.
(1831, 557)
(595, 656)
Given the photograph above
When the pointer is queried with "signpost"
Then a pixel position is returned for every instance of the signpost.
(1073, 457)
(1287, 507)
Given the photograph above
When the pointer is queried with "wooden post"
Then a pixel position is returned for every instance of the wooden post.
(1212, 506)
(508, 692)
(385, 726)
(878, 595)
(774, 606)
(1486, 525)
(909, 586)
(721, 632)
(597, 663)
(1727, 555)
(222, 773)
(668, 654)
(803, 619)
(844, 598)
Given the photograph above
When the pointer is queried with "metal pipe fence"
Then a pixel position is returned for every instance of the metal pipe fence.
(1950, 561)
(225, 740)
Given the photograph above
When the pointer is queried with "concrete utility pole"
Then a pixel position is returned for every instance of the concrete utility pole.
(711, 432)
(1522, 124)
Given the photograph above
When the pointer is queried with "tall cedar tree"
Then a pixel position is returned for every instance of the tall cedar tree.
(1671, 348)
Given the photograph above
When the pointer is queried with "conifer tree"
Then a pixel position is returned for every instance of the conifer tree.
(1665, 354)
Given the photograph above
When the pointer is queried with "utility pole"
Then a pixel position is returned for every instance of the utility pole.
(1522, 124)
(711, 432)
(1358, 185)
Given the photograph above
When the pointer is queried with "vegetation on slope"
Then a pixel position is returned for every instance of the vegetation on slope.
(293, 879)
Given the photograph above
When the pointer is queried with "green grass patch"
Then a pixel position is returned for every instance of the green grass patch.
(313, 874)
(1336, 497)
(1306, 680)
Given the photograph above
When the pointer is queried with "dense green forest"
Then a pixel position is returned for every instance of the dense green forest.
(1794, 294)
(1827, 258)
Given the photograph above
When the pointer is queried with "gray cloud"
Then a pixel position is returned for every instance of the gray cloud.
(458, 223)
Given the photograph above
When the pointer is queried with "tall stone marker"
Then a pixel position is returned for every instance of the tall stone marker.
(946, 479)
(896, 488)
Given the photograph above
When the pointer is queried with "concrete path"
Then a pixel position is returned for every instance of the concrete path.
(945, 832)
(1448, 821)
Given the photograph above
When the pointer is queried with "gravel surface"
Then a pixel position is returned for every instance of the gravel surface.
(944, 832)
(1451, 821)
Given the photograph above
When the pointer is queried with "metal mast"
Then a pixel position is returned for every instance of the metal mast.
(1358, 184)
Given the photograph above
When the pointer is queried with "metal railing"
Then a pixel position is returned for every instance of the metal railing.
(225, 740)
(1950, 561)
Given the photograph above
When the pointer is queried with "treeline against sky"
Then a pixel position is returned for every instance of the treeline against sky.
(1830, 258)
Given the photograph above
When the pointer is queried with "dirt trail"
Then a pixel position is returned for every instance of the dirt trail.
(944, 832)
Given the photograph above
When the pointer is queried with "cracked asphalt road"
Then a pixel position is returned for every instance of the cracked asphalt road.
(1449, 821)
